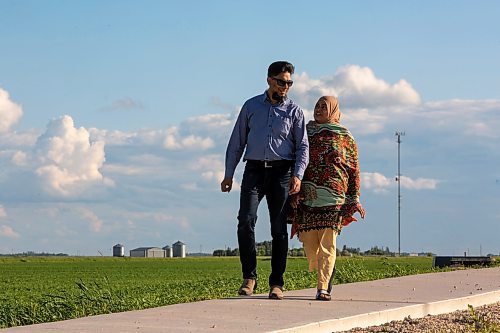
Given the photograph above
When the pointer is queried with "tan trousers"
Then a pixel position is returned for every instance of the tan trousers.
(320, 247)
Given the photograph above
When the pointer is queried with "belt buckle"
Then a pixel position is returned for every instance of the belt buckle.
(266, 165)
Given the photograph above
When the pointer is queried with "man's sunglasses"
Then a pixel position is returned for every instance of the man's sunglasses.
(283, 83)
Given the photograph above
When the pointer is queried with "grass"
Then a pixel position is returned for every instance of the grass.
(37, 290)
(479, 323)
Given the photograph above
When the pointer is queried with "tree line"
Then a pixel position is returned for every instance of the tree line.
(264, 249)
(34, 254)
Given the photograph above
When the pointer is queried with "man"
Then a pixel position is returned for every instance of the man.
(271, 130)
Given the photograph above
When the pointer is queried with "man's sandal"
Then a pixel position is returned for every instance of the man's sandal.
(323, 295)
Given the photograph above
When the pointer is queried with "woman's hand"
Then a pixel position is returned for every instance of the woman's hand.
(294, 200)
(361, 210)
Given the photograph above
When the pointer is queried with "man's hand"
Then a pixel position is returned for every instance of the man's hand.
(226, 185)
(294, 185)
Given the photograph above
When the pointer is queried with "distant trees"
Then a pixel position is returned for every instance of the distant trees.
(226, 253)
(34, 254)
(265, 249)
(376, 251)
(297, 252)
(347, 251)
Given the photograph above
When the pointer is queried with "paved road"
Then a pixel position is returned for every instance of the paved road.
(353, 305)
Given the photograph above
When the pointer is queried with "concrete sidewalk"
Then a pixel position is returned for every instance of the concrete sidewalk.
(353, 305)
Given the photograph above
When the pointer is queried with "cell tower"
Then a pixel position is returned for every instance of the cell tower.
(399, 134)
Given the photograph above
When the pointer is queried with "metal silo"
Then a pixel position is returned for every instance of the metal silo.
(179, 249)
(118, 250)
(168, 252)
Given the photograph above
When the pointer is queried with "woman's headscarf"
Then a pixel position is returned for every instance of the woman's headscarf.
(332, 105)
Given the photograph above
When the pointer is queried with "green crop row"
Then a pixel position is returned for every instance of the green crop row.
(38, 290)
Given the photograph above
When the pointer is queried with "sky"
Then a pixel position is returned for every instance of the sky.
(115, 116)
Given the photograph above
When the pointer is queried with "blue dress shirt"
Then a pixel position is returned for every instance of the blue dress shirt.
(269, 132)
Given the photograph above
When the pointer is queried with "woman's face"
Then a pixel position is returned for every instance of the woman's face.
(321, 112)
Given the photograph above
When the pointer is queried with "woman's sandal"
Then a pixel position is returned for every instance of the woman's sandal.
(323, 295)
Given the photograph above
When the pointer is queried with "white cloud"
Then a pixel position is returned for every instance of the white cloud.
(377, 182)
(19, 158)
(356, 87)
(140, 164)
(368, 104)
(128, 170)
(173, 138)
(94, 221)
(478, 118)
(210, 169)
(10, 112)
(3, 213)
(148, 137)
(8, 232)
(114, 137)
(363, 121)
(208, 162)
(359, 86)
(213, 175)
(419, 183)
(22, 140)
(174, 141)
(68, 163)
(211, 123)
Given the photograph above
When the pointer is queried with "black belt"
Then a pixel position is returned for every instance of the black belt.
(269, 164)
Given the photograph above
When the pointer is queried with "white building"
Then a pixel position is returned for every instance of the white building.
(147, 252)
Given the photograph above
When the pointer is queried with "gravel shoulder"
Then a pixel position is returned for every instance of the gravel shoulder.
(481, 319)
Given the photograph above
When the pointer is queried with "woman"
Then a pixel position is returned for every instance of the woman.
(329, 194)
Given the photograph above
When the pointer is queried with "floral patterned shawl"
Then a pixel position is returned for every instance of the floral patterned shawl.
(330, 187)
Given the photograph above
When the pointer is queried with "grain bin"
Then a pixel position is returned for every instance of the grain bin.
(118, 250)
(179, 249)
(168, 252)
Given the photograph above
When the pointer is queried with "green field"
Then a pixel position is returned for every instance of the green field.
(36, 290)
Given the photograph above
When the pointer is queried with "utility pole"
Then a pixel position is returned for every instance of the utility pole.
(399, 134)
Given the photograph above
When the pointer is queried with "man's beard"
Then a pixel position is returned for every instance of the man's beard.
(278, 97)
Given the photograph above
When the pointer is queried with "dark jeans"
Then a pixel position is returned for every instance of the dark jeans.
(273, 183)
